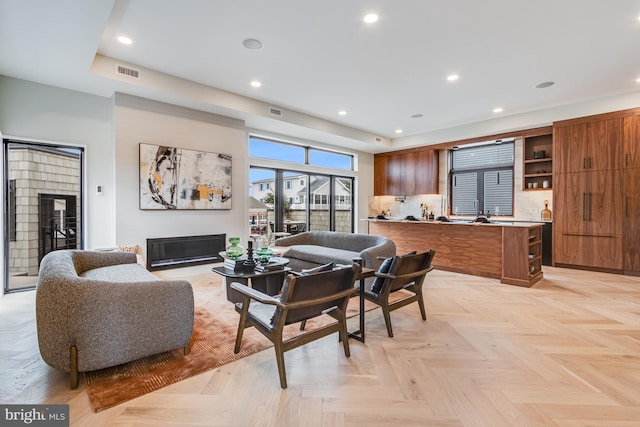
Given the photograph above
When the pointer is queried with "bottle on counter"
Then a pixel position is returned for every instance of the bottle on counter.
(545, 214)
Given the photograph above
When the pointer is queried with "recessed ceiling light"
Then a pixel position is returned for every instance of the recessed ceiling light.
(416, 116)
(398, 131)
(252, 44)
(124, 40)
(256, 83)
(453, 77)
(544, 84)
(638, 80)
(370, 18)
(342, 113)
(497, 110)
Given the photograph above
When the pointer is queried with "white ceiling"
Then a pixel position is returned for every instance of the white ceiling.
(319, 57)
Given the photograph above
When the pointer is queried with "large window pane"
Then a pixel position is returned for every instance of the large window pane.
(266, 149)
(329, 159)
(465, 193)
(294, 194)
(343, 198)
(498, 192)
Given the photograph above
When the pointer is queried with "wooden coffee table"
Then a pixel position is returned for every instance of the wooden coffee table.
(268, 282)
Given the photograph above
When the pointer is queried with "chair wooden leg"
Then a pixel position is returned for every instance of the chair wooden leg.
(278, 347)
(421, 304)
(387, 319)
(241, 326)
(186, 350)
(303, 324)
(73, 371)
(344, 336)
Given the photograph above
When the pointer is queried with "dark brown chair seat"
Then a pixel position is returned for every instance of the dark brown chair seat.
(404, 272)
(302, 298)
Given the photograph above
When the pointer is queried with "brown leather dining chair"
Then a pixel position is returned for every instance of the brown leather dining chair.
(406, 272)
(302, 298)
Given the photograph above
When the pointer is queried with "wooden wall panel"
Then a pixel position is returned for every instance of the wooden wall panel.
(464, 248)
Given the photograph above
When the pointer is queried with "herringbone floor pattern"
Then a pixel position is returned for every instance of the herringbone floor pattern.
(563, 353)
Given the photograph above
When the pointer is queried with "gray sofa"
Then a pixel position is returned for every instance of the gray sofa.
(313, 248)
(100, 309)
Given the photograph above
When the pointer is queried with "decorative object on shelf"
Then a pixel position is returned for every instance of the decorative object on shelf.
(535, 185)
(235, 250)
(264, 254)
(545, 214)
(545, 183)
(539, 154)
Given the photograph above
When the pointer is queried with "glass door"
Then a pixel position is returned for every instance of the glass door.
(43, 207)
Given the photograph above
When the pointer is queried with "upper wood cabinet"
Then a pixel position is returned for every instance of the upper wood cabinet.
(427, 172)
(380, 175)
(588, 146)
(632, 141)
(406, 173)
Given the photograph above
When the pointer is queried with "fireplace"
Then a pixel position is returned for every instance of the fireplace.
(175, 252)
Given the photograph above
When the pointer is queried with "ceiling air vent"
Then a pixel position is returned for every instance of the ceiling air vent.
(275, 111)
(378, 139)
(127, 71)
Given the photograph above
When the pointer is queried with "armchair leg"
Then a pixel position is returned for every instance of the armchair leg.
(303, 324)
(387, 319)
(344, 336)
(278, 347)
(241, 326)
(73, 371)
(421, 304)
(186, 350)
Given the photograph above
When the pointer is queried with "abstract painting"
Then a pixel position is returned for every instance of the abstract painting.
(175, 178)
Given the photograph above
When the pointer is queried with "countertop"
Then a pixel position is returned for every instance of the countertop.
(464, 222)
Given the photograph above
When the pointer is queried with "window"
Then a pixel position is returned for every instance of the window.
(482, 180)
(274, 150)
(336, 160)
(300, 197)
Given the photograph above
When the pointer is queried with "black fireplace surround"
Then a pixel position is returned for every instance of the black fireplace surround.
(175, 252)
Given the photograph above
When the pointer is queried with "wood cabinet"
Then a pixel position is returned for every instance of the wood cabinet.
(406, 173)
(631, 213)
(589, 146)
(538, 163)
(588, 227)
(380, 175)
(631, 138)
(596, 195)
(427, 172)
(521, 255)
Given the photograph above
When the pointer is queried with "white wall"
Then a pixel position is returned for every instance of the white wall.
(35, 112)
(138, 120)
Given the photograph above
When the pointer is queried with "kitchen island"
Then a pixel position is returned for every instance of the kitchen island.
(511, 252)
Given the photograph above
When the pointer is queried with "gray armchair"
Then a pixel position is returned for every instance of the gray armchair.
(100, 309)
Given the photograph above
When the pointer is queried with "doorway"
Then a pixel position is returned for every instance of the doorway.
(43, 207)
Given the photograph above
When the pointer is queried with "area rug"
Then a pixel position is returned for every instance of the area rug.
(212, 344)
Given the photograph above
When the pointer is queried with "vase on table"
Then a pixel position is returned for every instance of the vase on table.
(235, 251)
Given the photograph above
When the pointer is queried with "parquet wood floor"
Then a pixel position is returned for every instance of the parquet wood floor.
(563, 353)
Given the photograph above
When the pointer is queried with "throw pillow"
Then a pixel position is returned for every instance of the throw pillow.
(379, 281)
(325, 267)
